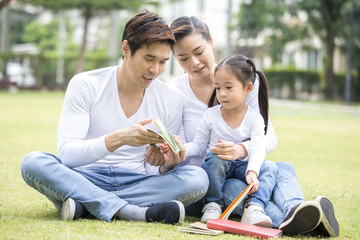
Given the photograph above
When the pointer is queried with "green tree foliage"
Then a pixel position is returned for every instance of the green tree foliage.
(89, 9)
(266, 17)
(46, 36)
(327, 19)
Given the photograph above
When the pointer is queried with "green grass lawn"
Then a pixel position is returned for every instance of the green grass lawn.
(321, 140)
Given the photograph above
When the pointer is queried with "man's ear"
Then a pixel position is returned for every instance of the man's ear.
(250, 87)
(125, 49)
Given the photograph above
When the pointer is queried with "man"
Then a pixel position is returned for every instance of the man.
(103, 165)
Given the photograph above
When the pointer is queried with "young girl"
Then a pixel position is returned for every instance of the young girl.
(233, 120)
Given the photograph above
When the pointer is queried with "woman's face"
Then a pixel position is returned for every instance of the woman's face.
(195, 55)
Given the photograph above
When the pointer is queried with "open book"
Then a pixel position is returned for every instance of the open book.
(222, 224)
(166, 135)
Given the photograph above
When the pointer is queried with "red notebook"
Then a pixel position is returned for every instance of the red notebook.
(243, 228)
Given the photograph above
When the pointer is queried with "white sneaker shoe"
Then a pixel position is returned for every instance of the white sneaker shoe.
(255, 215)
(211, 210)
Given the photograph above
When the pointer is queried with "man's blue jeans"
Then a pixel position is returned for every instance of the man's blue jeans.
(219, 170)
(104, 190)
(286, 195)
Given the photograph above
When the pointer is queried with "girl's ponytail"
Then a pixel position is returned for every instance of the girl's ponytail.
(263, 98)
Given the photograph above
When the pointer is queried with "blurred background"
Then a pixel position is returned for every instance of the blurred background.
(309, 50)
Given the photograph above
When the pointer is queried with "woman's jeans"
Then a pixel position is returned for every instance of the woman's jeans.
(287, 194)
(219, 170)
(104, 190)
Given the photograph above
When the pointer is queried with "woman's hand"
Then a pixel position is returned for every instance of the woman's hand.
(251, 177)
(229, 151)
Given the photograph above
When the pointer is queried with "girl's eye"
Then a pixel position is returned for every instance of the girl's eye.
(228, 87)
(217, 88)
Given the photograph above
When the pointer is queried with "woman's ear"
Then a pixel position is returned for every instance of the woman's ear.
(211, 41)
(250, 87)
(125, 49)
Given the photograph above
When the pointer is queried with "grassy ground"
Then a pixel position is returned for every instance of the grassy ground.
(321, 140)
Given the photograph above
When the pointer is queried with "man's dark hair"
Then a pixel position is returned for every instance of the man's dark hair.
(146, 28)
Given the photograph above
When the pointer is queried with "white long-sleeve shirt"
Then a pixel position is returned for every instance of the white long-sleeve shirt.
(92, 109)
(194, 109)
(213, 127)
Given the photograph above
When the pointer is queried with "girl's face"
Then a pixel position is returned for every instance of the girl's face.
(195, 55)
(230, 92)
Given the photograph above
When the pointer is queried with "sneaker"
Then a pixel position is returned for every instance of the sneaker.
(72, 210)
(303, 218)
(329, 226)
(211, 210)
(168, 212)
(255, 215)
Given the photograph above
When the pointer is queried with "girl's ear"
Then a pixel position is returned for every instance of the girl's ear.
(125, 49)
(250, 87)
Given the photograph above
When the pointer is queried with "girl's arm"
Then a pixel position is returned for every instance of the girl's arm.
(257, 147)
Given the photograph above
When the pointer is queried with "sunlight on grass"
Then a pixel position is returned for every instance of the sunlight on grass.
(322, 143)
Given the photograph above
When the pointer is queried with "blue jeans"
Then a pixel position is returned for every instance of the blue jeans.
(219, 170)
(286, 195)
(104, 190)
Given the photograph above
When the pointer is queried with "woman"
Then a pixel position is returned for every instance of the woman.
(290, 212)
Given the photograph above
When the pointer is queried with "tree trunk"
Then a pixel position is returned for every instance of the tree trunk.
(4, 3)
(329, 72)
(330, 12)
(81, 59)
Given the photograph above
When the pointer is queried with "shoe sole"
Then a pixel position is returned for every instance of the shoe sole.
(264, 224)
(305, 219)
(68, 210)
(328, 219)
(181, 209)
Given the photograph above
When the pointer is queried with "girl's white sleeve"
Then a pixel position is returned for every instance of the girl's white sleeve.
(73, 149)
(257, 148)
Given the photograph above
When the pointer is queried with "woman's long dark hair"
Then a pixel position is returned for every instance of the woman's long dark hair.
(245, 71)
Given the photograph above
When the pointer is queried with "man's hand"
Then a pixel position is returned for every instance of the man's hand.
(154, 156)
(134, 135)
(251, 177)
(228, 150)
(172, 159)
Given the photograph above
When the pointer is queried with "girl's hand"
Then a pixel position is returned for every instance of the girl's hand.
(228, 150)
(251, 177)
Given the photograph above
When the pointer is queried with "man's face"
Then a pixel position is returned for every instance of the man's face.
(147, 63)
